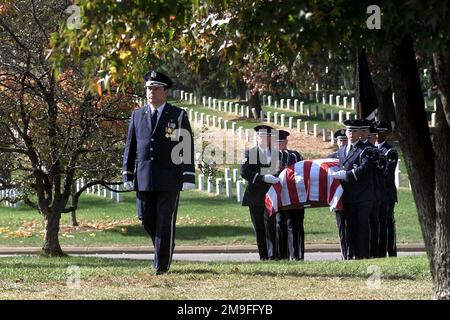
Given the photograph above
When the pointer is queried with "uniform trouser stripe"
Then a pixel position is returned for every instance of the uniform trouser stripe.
(172, 230)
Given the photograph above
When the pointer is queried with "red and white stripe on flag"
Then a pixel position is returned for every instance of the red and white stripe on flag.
(307, 181)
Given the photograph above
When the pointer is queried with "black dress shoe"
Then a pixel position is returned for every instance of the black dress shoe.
(160, 272)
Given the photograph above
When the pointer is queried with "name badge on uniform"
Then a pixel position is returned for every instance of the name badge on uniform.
(170, 128)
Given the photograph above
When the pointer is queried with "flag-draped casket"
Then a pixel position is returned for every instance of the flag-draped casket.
(304, 184)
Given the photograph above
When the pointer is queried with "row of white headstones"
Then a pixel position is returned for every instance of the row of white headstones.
(199, 118)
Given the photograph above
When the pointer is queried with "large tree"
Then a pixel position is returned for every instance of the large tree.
(57, 125)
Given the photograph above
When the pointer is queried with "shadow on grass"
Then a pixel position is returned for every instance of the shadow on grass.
(190, 233)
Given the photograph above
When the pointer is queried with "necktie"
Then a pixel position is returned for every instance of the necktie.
(348, 149)
(154, 119)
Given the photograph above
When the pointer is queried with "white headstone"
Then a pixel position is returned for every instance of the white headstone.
(282, 120)
(315, 126)
(119, 195)
(299, 123)
(228, 188)
(296, 105)
(209, 185)
(235, 174)
(291, 120)
(269, 101)
(201, 178)
(324, 134)
(218, 186)
(341, 116)
(239, 191)
(275, 117)
(348, 115)
(397, 175)
(306, 128)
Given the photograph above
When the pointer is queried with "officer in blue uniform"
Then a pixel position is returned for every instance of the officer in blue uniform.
(342, 220)
(290, 237)
(259, 170)
(355, 175)
(366, 132)
(387, 222)
(150, 168)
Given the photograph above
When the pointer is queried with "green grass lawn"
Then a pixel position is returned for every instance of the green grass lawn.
(203, 219)
(35, 277)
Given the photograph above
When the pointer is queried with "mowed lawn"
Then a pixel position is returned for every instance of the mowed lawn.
(35, 277)
(203, 219)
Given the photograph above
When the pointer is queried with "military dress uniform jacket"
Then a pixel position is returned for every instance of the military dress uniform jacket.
(389, 182)
(148, 153)
(358, 185)
(253, 172)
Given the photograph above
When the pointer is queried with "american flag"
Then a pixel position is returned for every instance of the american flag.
(306, 183)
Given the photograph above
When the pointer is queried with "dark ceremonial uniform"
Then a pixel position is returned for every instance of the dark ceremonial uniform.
(342, 221)
(255, 165)
(295, 223)
(387, 221)
(157, 177)
(357, 197)
(374, 215)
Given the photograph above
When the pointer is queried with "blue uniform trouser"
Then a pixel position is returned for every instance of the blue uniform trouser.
(343, 226)
(375, 229)
(359, 222)
(260, 221)
(158, 213)
(388, 239)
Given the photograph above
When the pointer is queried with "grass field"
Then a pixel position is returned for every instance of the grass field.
(34, 277)
(203, 219)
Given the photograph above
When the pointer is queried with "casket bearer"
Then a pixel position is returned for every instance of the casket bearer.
(387, 221)
(259, 170)
(290, 232)
(355, 175)
(342, 220)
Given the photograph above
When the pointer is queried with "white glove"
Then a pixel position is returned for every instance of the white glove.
(271, 179)
(128, 185)
(340, 175)
(188, 186)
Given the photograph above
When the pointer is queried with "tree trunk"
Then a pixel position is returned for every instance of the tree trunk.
(242, 89)
(442, 175)
(427, 169)
(255, 103)
(51, 245)
(73, 213)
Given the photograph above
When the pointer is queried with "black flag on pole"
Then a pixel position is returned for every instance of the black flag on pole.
(366, 98)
